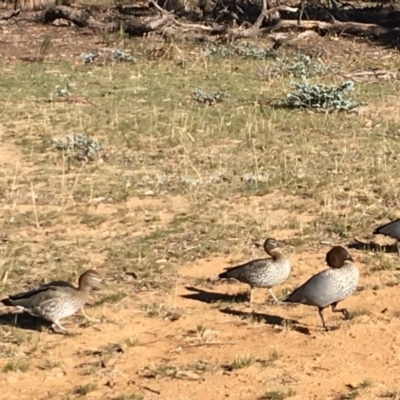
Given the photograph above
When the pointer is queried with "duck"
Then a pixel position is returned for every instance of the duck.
(391, 229)
(55, 300)
(330, 286)
(263, 272)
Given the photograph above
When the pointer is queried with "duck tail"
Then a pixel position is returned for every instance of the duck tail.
(7, 302)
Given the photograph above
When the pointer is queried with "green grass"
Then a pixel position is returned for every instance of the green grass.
(159, 146)
(278, 395)
(241, 361)
(16, 365)
(83, 390)
(178, 182)
(187, 371)
(191, 169)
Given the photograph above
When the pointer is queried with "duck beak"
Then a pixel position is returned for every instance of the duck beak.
(350, 258)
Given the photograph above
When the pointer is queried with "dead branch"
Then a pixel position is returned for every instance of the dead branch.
(341, 28)
(78, 17)
(84, 19)
(9, 14)
(255, 29)
(166, 22)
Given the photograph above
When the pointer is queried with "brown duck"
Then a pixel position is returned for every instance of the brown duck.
(56, 300)
(263, 272)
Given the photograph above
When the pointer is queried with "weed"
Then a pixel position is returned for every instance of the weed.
(66, 90)
(320, 96)
(111, 298)
(273, 356)
(245, 50)
(163, 311)
(278, 395)
(242, 361)
(119, 56)
(366, 383)
(90, 57)
(299, 65)
(15, 365)
(49, 364)
(202, 333)
(177, 372)
(390, 394)
(358, 312)
(207, 98)
(201, 281)
(283, 293)
(132, 342)
(385, 264)
(83, 390)
(81, 147)
(133, 396)
(355, 391)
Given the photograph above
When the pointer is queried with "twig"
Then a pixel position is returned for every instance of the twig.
(151, 390)
(34, 206)
(207, 344)
(10, 14)
(160, 9)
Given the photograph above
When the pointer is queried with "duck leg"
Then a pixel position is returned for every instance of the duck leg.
(251, 295)
(344, 311)
(321, 315)
(59, 326)
(274, 297)
(91, 319)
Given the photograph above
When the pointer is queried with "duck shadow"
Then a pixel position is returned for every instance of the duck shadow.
(213, 297)
(24, 321)
(372, 246)
(268, 319)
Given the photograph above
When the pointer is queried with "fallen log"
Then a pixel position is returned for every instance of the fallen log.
(341, 28)
(168, 23)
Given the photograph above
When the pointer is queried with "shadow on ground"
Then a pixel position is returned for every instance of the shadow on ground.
(213, 297)
(23, 321)
(372, 246)
(268, 319)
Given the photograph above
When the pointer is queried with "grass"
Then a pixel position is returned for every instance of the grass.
(384, 264)
(187, 371)
(390, 394)
(355, 391)
(178, 182)
(241, 361)
(111, 298)
(15, 365)
(133, 396)
(83, 390)
(358, 312)
(278, 395)
(159, 310)
(273, 356)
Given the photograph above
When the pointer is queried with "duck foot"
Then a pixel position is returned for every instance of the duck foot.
(56, 327)
(90, 319)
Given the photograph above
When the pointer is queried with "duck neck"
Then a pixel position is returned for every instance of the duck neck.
(84, 287)
(276, 255)
(348, 264)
